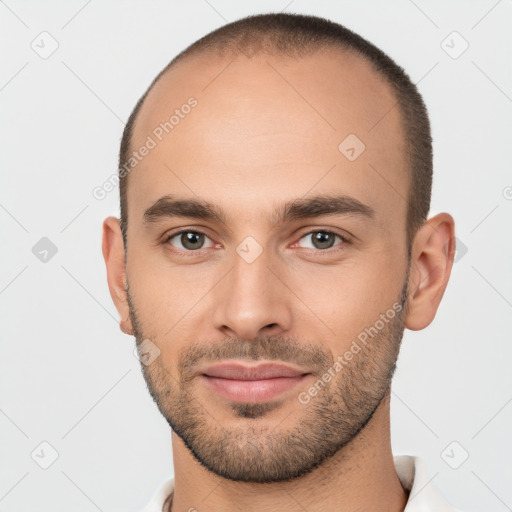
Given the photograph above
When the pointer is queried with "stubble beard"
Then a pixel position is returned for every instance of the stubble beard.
(261, 451)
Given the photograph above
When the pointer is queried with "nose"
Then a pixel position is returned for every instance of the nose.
(251, 301)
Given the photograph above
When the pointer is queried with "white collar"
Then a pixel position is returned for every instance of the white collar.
(423, 494)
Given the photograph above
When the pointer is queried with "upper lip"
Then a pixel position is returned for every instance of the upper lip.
(239, 371)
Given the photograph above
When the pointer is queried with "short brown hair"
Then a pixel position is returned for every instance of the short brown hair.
(297, 35)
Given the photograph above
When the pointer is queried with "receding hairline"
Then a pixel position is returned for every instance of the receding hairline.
(224, 59)
(283, 37)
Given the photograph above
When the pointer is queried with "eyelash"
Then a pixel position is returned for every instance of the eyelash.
(345, 239)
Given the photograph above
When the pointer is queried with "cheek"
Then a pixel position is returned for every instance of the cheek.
(168, 297)
(346, 298)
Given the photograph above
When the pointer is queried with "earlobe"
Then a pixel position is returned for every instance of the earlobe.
(432, 256)
(126, 326)
(113, 253)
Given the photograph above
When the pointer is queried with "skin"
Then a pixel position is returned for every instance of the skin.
(252, 144)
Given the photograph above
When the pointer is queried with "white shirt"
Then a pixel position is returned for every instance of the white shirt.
(423, 495)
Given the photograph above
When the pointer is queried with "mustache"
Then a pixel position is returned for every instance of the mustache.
(273, 348)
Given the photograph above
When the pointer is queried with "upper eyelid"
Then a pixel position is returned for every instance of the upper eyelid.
(331, 230)
(168, 236)
(311, 231)
(174, 235)
(344, 237)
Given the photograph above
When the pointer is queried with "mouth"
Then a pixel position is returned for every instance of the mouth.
(252, 384)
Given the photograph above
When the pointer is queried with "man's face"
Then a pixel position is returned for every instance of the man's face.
(269, 281)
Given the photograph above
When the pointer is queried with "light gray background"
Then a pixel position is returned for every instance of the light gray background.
(68, 375)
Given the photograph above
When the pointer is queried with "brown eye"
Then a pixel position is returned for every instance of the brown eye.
(321, 240)
(190, 240)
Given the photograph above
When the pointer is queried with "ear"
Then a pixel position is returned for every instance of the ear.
(113, 253)
(432, 256)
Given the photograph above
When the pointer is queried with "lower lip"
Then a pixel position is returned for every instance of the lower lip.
(252, 391)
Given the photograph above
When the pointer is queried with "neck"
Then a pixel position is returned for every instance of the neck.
(361, 476)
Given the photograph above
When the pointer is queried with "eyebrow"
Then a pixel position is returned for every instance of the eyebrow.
(302, 208)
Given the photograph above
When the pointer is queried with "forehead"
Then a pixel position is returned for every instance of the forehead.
(270, 128)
